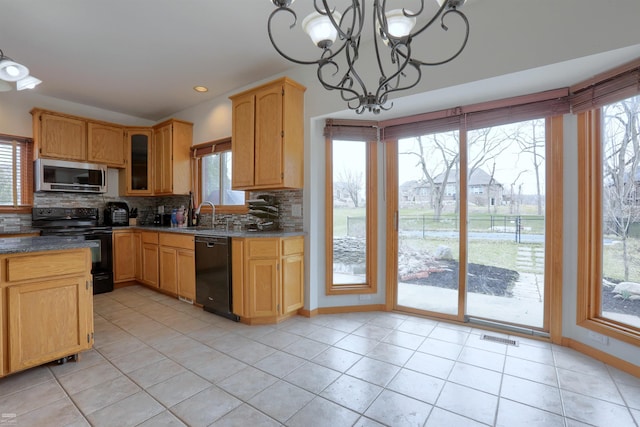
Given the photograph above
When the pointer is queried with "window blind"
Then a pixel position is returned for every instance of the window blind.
(612, 86)
(16, 171)
(211, 147)
(351, 130)
(511, 110)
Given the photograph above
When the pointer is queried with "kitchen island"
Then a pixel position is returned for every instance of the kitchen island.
(46, 300)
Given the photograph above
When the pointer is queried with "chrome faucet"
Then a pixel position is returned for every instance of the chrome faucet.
(213, 212)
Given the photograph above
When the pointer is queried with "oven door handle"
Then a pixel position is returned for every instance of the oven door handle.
(98, 233)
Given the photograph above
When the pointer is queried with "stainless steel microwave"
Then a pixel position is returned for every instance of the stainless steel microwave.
(60, 175)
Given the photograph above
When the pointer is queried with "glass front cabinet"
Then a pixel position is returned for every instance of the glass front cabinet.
(135, 178)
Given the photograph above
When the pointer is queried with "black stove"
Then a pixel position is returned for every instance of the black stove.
(82, 223)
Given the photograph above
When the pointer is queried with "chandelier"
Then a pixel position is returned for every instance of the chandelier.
(338, 33)
(11, 71)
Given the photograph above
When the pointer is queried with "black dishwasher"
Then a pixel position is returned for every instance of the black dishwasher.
(213, 275)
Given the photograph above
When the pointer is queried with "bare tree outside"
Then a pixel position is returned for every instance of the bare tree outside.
(436, 156)
(515, 199)
(485, 145)
(620, 161)
(352, 182)
(530, 137)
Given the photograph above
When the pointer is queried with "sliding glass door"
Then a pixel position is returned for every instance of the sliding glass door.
(506, 223)
(428, 223)
(470, 224)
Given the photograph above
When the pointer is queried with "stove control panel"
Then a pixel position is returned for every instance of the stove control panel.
(64, 213)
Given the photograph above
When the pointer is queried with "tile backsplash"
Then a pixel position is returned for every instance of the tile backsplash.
(14, 221)
(289, 201)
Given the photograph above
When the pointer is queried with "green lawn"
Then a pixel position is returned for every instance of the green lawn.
(497, 253)
(613, 265)
(418, 219)
(489, 252)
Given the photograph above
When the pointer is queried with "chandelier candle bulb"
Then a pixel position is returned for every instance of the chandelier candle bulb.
(399, 24)
(320, 29)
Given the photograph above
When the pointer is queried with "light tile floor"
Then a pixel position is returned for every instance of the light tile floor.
(161, 362)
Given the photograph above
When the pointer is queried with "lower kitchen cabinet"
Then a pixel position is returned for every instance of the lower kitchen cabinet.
(125, 255)
(262, 288)
(149, 258)
(164, 261)
(177, 265)
(292, 283)
(187, 274)
(168, 264)
(268, 278)
(46, 307)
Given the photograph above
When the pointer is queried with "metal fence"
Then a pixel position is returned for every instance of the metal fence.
(422, 225)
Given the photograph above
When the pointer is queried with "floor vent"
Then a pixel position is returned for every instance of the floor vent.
(499, 339)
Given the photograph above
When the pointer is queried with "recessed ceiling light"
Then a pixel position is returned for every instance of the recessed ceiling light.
(200, 89)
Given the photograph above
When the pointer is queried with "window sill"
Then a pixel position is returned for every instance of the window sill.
(611, 329)
(350, 289)
(18, 210)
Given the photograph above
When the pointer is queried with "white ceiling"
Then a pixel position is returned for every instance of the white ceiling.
(143, 57)
(139, 57)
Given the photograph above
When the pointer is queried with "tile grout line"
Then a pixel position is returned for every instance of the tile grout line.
(302, 331)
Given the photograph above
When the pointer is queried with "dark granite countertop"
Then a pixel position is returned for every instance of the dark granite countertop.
(202, 231)
(14, 245)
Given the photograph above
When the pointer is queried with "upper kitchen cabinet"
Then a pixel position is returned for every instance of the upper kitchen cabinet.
(59, 137)
(268, 136)
(135, 178)
(105, 144)
(62, 136)
(171, 157)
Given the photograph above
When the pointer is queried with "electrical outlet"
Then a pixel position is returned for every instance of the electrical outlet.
(296, 210)
(602, 339)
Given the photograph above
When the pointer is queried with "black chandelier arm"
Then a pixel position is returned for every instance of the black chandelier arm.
(462, 46)
(341, 85)
(433, 19)
(273, 42)
(348, 80)
(419, 12)
(398, 88)
(326, 53)
(351, 56)
(388, 86)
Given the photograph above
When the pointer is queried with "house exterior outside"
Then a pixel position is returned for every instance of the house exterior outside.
(485, 190)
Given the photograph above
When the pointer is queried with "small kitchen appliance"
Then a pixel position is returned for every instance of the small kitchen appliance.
(116, 213)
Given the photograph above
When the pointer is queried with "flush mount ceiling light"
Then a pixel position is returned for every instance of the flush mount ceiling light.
(201, 89)
(11, 71)
(28, 82)
(337, 34)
